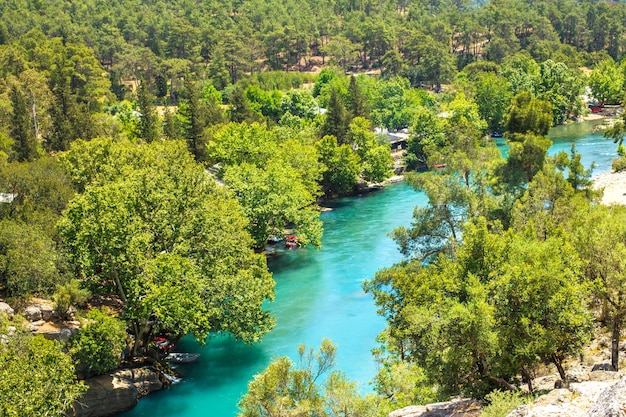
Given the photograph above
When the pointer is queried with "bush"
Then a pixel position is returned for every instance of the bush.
(97, 347)
(502, 403)
(28, 259)
(68, 295)
(619, 164)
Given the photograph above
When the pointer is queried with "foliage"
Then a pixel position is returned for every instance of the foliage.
(274, 198)
(69, 295)
(41, 189)
(618, 164)
(501, 403)
(452, 316)
(153, 209)
(284, 389)
(36, 378)
(607, 82)
(28, 260)
(341, 163)
(97, 347)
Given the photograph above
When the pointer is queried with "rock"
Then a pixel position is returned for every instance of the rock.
(611, 402)
(557, 403)
(47, 311)
(107, 395)
(145, 380)
(459, 407)
(32, 313)
(603, 375)
(34, 326)
(5, 308)
(603, 367)
(574, 402)
(113, 394)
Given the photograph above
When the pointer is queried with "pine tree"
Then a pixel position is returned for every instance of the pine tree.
(194, 115)
(337, 120)
(357, 102)
(25, 142)
(239, 110)
(61, 112)
(149, 121)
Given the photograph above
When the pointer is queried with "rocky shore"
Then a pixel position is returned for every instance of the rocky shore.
(614, 185)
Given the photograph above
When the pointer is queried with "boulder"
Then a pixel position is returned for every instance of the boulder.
(574, 402)
(458, 407)
(32, 313)
(106, 395)
(47, 311)
(145, 380)
(5, 308)
(113, 394)
(611, 402)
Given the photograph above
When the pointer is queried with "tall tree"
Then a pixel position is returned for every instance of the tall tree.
(336, 122)
(357, 104)
(157, 231)
(194, 121)
(149, 124)
(22, 130)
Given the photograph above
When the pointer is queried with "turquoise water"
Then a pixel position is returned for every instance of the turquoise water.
(318, 294)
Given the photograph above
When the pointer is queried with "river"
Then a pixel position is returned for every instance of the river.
(318, 294)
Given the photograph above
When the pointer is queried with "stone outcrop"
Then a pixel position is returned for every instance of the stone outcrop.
(600, 398)
(456, 408)
(112, 394)
(5, 308)
(145, 380)
(611, 402)
(106, 396)
(32, 313)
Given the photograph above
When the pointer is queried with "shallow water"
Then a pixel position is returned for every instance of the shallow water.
(318, 294)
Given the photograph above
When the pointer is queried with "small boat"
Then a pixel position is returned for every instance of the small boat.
(181, 357)
(291, 242)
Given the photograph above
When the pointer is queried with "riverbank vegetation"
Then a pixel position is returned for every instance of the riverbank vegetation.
(149, 150)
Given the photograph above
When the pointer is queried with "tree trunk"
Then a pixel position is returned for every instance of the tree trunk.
(617, 327)
(559, 366)
(502, 383)
(528, 379)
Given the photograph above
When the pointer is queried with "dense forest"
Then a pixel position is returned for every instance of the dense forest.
(149, 150)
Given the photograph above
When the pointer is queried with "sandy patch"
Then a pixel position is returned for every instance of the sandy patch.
(614, 184)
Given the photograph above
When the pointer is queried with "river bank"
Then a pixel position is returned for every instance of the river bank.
(614, 185)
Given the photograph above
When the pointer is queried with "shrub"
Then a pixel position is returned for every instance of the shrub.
(619, 164)
(502, 403)
(97, 347)
(68, 295)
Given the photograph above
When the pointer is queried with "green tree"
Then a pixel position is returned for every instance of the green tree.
(36, 378)
(274, 198)
(288, 389)
(28, 259)
(378, 164)
(357, 104)
(342, 166)
(436, 228)
(151, 212)
(492, 95)
(194, 120)
(239, 109)
(22, 131)
(599, 236)
(607, 82)
(336, 121)
(98, 345)
(149, 123)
